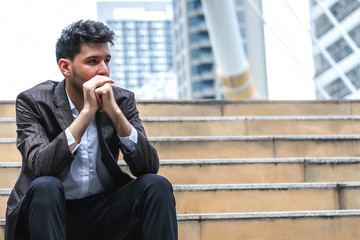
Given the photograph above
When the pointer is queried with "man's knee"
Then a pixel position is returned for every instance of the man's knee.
(156, 181)
(157, 187)
(46, 190)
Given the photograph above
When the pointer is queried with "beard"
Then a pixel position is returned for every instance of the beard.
(77, 82)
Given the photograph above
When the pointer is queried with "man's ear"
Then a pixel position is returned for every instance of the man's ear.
(65, 67)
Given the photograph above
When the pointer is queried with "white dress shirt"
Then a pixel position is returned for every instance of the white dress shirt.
(88, 175)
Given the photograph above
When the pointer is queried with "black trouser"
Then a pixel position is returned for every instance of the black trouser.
(141, 209)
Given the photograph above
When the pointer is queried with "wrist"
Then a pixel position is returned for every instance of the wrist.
(88, 110)
(115, 113)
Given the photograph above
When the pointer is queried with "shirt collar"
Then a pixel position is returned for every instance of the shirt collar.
(72, 106)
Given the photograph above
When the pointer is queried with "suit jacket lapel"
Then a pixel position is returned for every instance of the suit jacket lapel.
(104, 125)
(105, 131)
(62, 109)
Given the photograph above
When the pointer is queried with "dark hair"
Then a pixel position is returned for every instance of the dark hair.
(68, 45)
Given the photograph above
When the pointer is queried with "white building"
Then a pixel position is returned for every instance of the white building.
(142, 54)
(194, 62)
(336, 25)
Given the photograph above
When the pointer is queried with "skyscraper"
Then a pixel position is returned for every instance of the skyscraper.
(194, 61)
(336, 25)
(142, 54)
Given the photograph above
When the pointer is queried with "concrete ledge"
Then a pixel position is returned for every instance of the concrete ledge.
(233, 118)
(260, 215)
(234, 126)
(234, 171)
(310, 225)
(7, 120)
(10, 164)
(5, 191)
(7, 140)
(248, 118)
(252, 138)
(236, 138)
(268, 215)
(264, 186)
(330, 160)
(249, 101)
(257, 186)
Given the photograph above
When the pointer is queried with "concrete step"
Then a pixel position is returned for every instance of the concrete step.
(231, 108)
(247, 108)
(305, 225)
(214, 147)
(230, 198)
(7, 128)
(233, 126)
(248, 126)
(2, 229)
(227, 198)
(302, 225)
(256, 146)
(7, 109)
(231, 171)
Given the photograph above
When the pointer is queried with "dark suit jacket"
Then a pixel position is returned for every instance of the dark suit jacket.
(42, 115)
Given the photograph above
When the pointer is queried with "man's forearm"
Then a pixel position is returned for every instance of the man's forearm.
(122, 125)
(79, 126)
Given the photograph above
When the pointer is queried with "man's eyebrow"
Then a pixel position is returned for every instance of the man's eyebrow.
(96, 56)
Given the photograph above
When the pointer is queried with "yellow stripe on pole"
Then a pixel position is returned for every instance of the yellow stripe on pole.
(236, 81)
(240, 86)
(247, 93)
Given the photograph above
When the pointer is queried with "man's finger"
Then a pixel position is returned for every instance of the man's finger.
(100, 80)
(98, 97)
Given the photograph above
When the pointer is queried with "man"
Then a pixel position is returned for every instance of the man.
(69, 136)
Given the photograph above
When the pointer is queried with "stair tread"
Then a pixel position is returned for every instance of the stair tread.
(250, 118)
(262, 215)
(315, 160)
(249, 186)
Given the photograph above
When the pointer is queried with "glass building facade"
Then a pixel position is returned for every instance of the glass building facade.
(347, 14)
(194, 61)
(143, 47)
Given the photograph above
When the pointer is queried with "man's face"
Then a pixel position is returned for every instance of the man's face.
(93, 59)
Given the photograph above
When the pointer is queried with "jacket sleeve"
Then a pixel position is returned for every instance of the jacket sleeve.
(43, 151)
(144, 159)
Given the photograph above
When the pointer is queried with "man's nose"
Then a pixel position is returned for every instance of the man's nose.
(104, 69)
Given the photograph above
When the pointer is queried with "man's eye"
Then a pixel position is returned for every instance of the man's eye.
(92, 61)
(107, 61)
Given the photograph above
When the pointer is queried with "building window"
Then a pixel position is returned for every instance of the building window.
(201, 53)
(239, 2)
(339, 50)
(194, 5)
(197, 21)
(354, 76)
(202, 69)
(344, 8)
(198, 37)
(321, 64)
(322, 25)
(243, 32)
(337, 89)
(201, 86)
(355, 35)
(240, 17)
